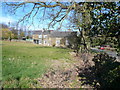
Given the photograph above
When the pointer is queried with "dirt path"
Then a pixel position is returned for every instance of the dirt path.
(63, 74)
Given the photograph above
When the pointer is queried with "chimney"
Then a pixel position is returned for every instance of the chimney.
(69, 29)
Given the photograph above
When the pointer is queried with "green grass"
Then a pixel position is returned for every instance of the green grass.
(23, 62)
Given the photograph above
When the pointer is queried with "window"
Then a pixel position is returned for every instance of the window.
(45, 36)
(45, 42)
(57, 42)
(40, 41)
(40, 36)
(67, 43)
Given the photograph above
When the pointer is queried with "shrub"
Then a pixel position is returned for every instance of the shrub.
(106, 71)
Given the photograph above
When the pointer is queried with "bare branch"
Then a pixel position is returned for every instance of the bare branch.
(55, 17)
(27, 15)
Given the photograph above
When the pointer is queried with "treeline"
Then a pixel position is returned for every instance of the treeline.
(9, 33)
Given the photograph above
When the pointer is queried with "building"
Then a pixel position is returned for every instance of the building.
(53, 38)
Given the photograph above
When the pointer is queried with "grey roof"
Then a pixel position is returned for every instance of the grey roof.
(53, 33)
(62, 33)
(37, 32)
(47, 32)
(42, 32)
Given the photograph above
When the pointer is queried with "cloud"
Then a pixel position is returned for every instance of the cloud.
(6, 20)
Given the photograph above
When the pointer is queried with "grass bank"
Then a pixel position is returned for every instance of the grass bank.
(23, 62)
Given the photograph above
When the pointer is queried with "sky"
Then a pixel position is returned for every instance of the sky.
(11, 19)
(7, 17)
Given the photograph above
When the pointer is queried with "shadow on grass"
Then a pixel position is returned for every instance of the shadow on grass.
(104, 74)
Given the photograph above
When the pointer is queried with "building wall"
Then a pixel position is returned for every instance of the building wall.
(35, 36)
(57, 41)
(46, 40)
(52, 41)
(49, 41)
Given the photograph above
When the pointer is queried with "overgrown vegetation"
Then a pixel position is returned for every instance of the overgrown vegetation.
(105, 73)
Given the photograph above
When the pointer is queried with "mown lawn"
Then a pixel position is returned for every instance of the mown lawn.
(23, 62)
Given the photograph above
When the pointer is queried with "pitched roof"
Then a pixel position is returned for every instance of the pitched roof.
(42, 32)
(62, 34)
(37, 32)
(53, 33)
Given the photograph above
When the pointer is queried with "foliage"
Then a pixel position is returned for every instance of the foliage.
(62, 41)
(22, 34)
(104, 74)
(28, 37)
(107, 71)
(7, 34)
(15, 32)
(11, 33)
(99, 41)
(74, 43)
(105, 24)
(53, 44)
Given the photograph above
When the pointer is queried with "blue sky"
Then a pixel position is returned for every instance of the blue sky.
(7, 17)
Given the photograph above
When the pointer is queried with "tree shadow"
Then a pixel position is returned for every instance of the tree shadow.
(105, 73)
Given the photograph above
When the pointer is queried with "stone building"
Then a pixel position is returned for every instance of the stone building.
(53, 38)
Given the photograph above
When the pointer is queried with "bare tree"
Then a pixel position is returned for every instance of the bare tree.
(58, 11)
(77, 13)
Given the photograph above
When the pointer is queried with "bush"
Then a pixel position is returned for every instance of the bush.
(53, 45)
(105, 73)
(106, 70)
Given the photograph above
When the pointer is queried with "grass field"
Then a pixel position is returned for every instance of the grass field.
(23, 62)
